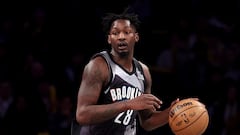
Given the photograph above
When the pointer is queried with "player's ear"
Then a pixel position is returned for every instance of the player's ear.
(108, 39)
(136, 37)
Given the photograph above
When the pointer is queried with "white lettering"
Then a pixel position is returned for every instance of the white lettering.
(119, 95)
(113, 95)
(125, 93)
(132, 93)
(128, 92)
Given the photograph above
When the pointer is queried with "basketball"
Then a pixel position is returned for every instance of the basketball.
(188, 117)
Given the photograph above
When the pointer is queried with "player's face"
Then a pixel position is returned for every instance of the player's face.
(122, 37)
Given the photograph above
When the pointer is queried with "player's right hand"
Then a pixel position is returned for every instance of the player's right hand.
(144, 101)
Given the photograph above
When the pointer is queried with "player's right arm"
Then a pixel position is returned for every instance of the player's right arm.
(95, 76)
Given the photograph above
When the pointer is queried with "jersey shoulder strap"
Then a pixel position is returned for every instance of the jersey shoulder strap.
(140, 72)
(139, 68)
(107, 58)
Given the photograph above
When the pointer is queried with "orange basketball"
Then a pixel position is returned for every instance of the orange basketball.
(188, 117)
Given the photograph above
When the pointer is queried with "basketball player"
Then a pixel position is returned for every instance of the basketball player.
(116, 88)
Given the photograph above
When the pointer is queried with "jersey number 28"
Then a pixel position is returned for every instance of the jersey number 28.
(126, 118)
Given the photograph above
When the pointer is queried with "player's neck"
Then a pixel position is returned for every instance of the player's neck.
(125, 62)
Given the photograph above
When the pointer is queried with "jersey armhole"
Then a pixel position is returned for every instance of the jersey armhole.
(105, 56)
(140, 68)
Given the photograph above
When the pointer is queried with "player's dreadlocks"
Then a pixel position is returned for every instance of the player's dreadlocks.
(111, 17)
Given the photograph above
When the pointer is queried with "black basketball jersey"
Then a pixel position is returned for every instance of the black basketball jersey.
(122, 86)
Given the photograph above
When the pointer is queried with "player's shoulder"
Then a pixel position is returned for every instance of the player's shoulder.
(143, 65)
(97, 62)
(96, 66)
(98, 57)
(100, 53)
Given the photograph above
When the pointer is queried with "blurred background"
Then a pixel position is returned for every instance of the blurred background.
(192, 48)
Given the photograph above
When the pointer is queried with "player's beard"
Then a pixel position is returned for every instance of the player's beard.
(123, 54)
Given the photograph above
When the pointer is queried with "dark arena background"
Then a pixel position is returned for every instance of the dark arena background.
(192, 48)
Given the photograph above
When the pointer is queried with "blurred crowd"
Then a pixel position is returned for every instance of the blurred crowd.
(191, 47)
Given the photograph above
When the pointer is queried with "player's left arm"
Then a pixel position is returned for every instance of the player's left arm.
(150, 119)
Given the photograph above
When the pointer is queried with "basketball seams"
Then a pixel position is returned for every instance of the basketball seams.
(185, 110)
(191, 122)
(188, 117)
(170, 122)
